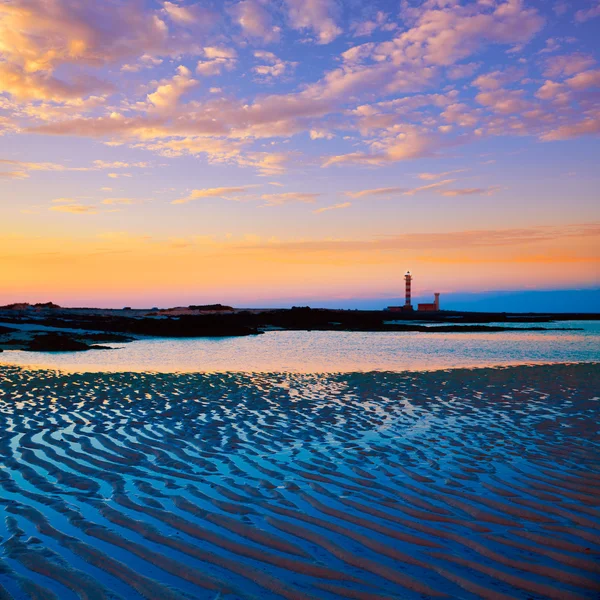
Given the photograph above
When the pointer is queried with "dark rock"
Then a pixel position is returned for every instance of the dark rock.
(108, 337)
(59, 342)
(210, 307)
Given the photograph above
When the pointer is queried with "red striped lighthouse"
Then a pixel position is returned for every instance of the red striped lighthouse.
(408, 280)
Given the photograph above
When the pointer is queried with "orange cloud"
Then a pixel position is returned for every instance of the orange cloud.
(218, 192)
(289, 197)
(76, 209)
(318, 211)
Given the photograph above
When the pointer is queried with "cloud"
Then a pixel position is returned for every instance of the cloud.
(561, 7)
(117, 175)
(77, 209)
(255, 20)
(565, 65)
(274, 68)
(471, 191)
(504, 101)
(405, 145)
(23, 168)
(497, 79)
(462, 71)
(13, 175)
(315, 15)
(585, 14)
(589, 125)
(396, 191)
(318, 211)
(431, 186)
(38, 37)
(385, 191)
(119, 201)
(102, 164)
(320, 134)
(217, 59)
(218, 192)
(289, 197)
(480, 238)
(554, 92)
(462, 115)
(433, 176)
(585, 80)
(368, 26)
(168, 93)
(193, 14)
(443, 37)
(41, 166)
(436, 40)
(267, 163)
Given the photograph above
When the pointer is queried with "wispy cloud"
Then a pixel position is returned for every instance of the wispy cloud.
(288, 198)
(385, 191)
(457, 239)
(431, 186)
(389, 192)
(218, 192)
(120, 201)
(433, 176)
(75, 208)
(14, 175)
(489, 191)
(318, 211)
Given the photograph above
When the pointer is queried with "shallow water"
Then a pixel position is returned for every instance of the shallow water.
(328, 351)
(466, 484)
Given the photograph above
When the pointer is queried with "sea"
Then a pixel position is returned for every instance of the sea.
(331, 351)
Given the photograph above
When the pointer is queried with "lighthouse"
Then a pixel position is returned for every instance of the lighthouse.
(408, 282)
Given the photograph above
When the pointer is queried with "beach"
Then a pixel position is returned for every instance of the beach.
(456, 483)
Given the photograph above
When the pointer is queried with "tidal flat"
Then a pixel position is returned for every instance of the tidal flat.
(456, 483)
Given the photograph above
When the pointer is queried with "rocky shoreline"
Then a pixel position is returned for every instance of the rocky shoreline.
(50, 328)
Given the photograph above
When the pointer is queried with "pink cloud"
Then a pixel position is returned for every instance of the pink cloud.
(589, 125)
(567, 64)
(255, 20)
(585, 80)
(338, 206)
(317, 16)
(289, 197)
(585, 14)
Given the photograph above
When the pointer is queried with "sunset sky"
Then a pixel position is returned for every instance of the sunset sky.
(165, 153)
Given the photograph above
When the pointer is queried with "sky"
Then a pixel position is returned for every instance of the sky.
(255, 151)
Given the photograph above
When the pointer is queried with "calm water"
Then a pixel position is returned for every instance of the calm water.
(327, 351)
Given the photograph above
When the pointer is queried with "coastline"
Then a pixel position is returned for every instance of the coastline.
(48, 327)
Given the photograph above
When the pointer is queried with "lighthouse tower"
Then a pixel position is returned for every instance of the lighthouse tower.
(408, 281)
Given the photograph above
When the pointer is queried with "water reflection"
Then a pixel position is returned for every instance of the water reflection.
(327, 351)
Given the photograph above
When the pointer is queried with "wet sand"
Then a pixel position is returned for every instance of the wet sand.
(468, 483)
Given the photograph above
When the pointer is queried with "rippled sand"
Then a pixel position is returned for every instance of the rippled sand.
(460, 484)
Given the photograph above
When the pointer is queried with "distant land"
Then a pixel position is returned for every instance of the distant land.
(539, 301)
(48, 327)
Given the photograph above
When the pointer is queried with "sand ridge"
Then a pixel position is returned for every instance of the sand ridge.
(463, 483)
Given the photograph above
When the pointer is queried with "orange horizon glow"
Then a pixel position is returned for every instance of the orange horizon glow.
(243, 152)
(121, 269)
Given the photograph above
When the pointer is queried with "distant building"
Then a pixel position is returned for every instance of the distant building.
(408, 307)
(433, 307)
